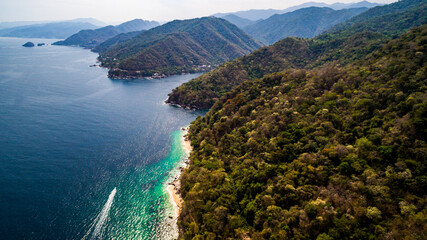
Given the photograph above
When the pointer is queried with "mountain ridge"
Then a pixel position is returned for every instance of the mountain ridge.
(55, 30)
(215, 39)
(306, 23)
(238, 21)
(90, 38)
(257, 14)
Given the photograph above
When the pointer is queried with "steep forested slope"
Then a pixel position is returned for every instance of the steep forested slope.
(122, 37)
(328, 153)
(305, 23)
(178, 46)
(339, 46)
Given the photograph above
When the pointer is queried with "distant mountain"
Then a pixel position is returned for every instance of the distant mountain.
(238, 21)
(178, 46)
(56, 30)
(91, 38)
(339, 6)
(305, 23)
(4, 25)
(93, 21)
(257, 14)
(136, 25)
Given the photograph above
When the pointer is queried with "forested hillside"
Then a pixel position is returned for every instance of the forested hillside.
(178, 46)
(238, 21)
(327, 153)
(90, 38)
(339, 46)
(305, 23)
(122, 37)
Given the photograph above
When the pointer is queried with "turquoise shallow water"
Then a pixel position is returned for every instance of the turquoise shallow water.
(69, 136)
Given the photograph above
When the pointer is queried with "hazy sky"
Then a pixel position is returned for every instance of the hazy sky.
(122, 10)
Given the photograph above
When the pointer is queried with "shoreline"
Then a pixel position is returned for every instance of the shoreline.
(173, 188)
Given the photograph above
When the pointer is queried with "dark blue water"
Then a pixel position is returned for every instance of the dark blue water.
(69, 136)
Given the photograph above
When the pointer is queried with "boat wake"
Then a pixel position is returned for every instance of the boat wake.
(97, 225)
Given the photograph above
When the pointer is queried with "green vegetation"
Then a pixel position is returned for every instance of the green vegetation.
(305, 23)
(340, 46)
(178, 46)
(326, 153)
(238, 21)
(122, 37)
(91, 38)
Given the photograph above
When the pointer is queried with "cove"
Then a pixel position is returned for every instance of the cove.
(70, 137)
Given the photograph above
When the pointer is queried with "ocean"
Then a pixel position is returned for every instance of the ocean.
(83, 156)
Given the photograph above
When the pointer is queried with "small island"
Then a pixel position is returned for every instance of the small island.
(40, 44)
(28, 44)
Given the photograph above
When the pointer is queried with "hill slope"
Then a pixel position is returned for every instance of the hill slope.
(238, 21)
(119, 38)
(91, 38)
(178, 46)
(329, 153)
(339, 47)
(305, 23)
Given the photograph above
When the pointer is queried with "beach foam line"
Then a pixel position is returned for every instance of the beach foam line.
(174, 199)
(173, 187)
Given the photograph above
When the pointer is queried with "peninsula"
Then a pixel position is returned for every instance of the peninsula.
(180, 46)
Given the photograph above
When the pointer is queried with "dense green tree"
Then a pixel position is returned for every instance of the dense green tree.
(325, 153)
(342, 45)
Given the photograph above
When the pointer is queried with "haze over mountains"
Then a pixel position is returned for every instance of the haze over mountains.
(305, 23)
(239, 21)
(58, 30)
(257, 14)
(92, 21)
(92, 38)
(197, 44)
(178, 47)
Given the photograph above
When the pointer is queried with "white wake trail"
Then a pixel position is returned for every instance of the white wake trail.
(101, 218)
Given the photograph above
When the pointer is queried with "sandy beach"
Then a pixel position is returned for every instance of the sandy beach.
(174, 187)
(173, 190)
(186, 143)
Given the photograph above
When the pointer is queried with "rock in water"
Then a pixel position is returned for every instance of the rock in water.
(28, 44)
